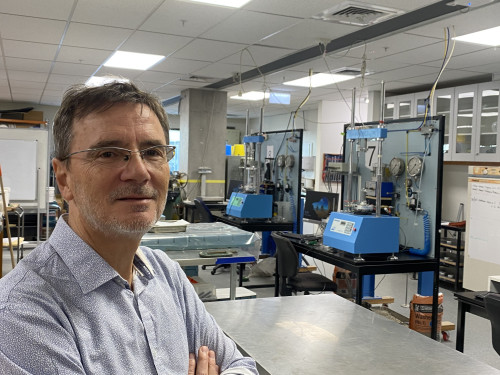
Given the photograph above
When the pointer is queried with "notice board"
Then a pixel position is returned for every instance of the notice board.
(482, 249)
(24, 160)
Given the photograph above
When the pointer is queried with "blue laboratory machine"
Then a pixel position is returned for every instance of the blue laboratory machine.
(359, 231)
(249, 204)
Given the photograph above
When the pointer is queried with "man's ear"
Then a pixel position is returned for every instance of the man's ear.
(63, 179)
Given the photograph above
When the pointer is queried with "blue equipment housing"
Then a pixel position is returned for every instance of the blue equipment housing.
(250, 206)
(362, 234)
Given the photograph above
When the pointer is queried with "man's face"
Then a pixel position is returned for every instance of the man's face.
(123, 200)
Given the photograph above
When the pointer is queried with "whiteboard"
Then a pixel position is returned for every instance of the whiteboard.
(484, 213)
(24, 157)
(19, 170)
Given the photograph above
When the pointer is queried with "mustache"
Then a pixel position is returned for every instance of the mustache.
(125, 191)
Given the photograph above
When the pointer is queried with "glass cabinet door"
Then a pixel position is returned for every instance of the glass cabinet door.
(442, 106)
(488, 120)
(389, 111)
(464, 123)
(404, 109)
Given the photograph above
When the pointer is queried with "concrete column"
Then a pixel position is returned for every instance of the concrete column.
(203, 123)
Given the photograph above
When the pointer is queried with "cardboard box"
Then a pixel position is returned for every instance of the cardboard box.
(33, 116)
(13, 115)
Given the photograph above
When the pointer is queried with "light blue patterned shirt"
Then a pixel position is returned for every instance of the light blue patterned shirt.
(65, 310)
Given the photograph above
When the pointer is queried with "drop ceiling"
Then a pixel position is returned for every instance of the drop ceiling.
(48, 45)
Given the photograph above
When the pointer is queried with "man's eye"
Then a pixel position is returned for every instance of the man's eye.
(106, 154)
(154, 152)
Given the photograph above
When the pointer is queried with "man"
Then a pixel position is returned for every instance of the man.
(90, 300)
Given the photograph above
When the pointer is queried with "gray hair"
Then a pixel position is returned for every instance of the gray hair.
(80, 100)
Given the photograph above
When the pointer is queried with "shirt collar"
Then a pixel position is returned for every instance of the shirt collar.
(87, 266)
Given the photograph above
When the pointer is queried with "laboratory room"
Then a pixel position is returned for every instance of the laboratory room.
(242, 187)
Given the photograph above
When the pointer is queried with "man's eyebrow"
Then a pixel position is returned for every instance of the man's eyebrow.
(117, 143)
(107, 143)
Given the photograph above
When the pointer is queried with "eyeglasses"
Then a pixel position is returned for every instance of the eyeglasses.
(116, 157)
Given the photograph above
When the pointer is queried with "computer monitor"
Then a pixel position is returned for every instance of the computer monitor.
(318, 205)
(233, 187)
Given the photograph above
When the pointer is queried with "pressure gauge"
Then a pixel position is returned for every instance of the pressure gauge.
(280, 161)
(415, 165)
(289, 161)
(396, 167)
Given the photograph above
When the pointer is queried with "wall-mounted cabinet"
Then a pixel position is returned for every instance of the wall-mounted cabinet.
(471, 118)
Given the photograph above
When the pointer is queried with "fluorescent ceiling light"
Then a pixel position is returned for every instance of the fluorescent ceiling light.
(319, 79)
(132, 60)
(444, 96)
(251, 95)
(488, 37)
(224, 3)
(489, 114)
(99, 81)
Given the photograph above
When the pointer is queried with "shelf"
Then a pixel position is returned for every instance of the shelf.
(450, 262)
(26, 122)
(447, 279)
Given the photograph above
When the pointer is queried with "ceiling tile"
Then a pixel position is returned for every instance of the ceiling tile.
(183, 18)
(158, 77)
(17, 75)
(98, 37)
(29, 65)
(82, 55)
(66, 79)
(32, 29)
(53, 9)
(308, 33)
(220, 70)
(130, 15)
(468, 60)
(208, 50)
(300, 9)
(77, 69)
(130, 74)
(259, 55)
(461, 23)
(29, 50)
(248, 27)
(182, 66)
(155, 43)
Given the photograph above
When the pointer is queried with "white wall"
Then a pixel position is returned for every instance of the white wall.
(454, 191)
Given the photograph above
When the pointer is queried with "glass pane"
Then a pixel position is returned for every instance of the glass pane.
(405, 109)
(175, 140)
(443, 107)
(464, 123)
(489, 117)
(389, 111)
(421, 108)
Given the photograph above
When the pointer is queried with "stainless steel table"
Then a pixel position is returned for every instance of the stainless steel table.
(326, 334)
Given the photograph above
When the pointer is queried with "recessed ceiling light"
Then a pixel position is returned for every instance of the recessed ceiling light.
(488, 37)
(132, 60)
(223, 3)
(319, 79)
(251, 95)
(99, 81)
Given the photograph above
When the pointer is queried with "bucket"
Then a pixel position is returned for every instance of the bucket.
(7, 197)
(239, 150)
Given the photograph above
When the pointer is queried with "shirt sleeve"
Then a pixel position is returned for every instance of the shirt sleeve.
(202, 329)
(33, 340)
